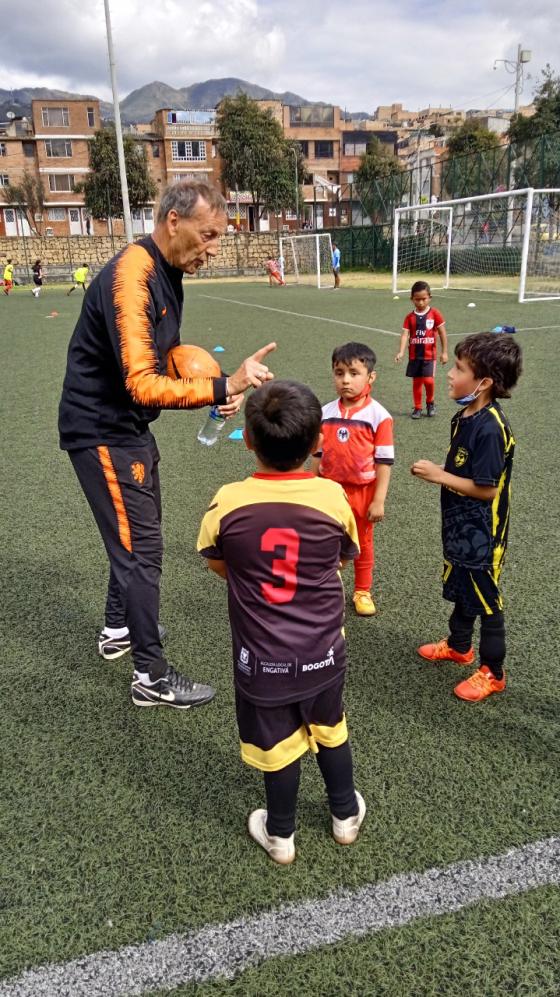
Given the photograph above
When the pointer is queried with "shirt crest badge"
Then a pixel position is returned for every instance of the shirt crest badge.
(461, 457)
(138, 471)
(343, 434)
(430, 323)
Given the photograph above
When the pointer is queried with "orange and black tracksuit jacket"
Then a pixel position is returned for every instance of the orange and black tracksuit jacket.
(115, 386)
(115, 382)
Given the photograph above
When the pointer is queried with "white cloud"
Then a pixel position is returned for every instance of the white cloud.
(358, 54)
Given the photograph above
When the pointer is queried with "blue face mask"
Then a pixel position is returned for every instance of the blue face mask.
(467, 399)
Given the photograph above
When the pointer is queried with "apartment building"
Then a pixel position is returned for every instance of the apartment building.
(53, 147)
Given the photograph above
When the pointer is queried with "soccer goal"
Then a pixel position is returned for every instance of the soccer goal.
(507, 241)
(307, 259)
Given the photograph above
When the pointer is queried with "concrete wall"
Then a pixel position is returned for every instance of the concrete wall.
(241, 254)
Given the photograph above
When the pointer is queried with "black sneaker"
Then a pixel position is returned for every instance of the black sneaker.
(430, 409)
(416, 413)
(112, 648)
(173, 689)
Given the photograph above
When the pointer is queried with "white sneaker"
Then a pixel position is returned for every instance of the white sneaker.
(346, 831)
(281, 850)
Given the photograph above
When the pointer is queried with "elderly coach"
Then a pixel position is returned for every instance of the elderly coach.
(115, 386)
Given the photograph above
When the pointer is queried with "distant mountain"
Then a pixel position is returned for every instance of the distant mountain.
(140, 105)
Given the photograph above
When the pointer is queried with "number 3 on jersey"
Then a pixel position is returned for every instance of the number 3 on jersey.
(284, 567)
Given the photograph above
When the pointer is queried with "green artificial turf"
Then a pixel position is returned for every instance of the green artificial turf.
(119, 825)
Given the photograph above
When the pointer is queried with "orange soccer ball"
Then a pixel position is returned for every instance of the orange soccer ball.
(191, 361)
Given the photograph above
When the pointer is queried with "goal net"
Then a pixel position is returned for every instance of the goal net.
(506, 241)
(307, 259)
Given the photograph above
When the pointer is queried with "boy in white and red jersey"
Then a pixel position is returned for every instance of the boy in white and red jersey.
(358, 452)
(421, 328)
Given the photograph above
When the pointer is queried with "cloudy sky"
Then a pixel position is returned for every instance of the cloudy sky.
(356, 53)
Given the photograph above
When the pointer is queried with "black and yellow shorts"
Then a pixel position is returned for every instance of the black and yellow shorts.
(273, 737)
(476, 590)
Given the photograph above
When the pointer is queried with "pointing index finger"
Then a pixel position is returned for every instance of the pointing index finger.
(264, 350)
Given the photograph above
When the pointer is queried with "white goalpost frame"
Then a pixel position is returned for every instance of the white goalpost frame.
(293, 265)
(529, 228)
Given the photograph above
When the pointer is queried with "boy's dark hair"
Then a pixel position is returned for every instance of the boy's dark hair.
(354, 351)
(9, 260)
(493, 355)
(86, 265)
(283, 421)
(420, 285)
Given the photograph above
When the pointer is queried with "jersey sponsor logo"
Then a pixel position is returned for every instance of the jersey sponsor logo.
(276, 667)
(243, 663)
(343, 434)
(422, 340)
(326, 662)
(138, 471)
(461, 457)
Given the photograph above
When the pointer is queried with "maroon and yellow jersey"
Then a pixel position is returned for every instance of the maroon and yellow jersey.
(282, 537)
(355, 440)
(422, 334)
(116, 382)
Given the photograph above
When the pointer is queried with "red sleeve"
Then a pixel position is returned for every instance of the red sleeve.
(438, 318)
(408, 322)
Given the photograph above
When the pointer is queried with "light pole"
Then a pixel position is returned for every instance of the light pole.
(516, 66)
(118, 129)
(293, 149)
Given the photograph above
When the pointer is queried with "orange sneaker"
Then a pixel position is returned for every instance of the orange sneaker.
(480, 685)
(363, 603)
(442, 652)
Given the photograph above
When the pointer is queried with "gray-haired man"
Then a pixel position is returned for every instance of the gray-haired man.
(115, 385)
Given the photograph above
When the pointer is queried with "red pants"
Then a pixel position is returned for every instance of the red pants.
(430, 386)
(360, 498)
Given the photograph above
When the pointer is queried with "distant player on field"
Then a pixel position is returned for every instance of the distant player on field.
(475, 496)
(37, 278)
(421, 328)
(79, 277)
(279, 538)
(336, 265)
(274, 271)
(8, 277)
(358, 452)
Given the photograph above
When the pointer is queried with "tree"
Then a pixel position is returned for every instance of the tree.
(256, 156)
(471, 137)
(28, 197)
(546, 118)
(102, 189)
(380, 181)
(475, 162)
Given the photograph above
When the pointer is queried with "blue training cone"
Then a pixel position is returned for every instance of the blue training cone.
(236, 435)
(497, 328)
(218, 349)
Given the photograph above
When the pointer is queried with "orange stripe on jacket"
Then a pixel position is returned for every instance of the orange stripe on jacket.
(116, 495)
(131, 300)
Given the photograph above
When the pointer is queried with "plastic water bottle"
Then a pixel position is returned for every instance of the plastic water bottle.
(209, 432)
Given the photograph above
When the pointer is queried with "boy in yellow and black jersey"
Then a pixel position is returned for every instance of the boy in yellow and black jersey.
(279, 538)
(475, 507)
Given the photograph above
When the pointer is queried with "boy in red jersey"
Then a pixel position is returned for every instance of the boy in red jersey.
(358, 453)
(279, 539)
(274, 272)
(419, 328)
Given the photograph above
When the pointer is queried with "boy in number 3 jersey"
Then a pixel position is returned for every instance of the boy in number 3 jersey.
(279, 538)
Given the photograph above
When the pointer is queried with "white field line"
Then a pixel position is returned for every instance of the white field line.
(315, 318)
(226, 950)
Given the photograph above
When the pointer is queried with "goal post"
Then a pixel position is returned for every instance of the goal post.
(307, 259)
(505, 241)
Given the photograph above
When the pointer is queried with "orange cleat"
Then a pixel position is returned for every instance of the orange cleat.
(442, 652)
(480, 685)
